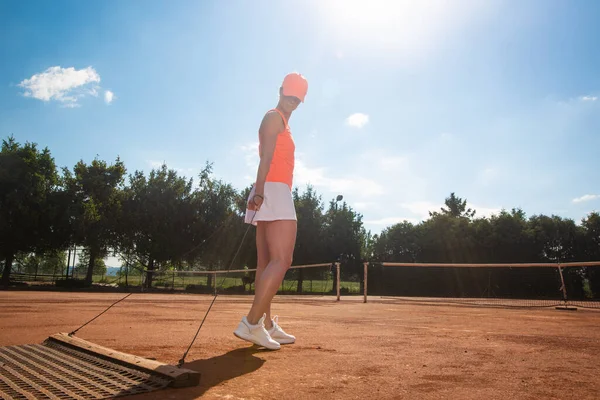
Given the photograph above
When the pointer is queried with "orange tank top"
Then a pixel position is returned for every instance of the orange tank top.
(282, 164)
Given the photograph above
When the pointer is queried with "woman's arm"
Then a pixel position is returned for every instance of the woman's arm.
(270, 127)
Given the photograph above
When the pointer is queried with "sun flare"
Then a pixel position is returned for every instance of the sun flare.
(408, 27)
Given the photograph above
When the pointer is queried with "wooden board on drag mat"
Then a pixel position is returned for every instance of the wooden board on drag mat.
(65, 367)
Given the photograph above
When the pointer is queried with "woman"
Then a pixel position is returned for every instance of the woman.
(271, 209)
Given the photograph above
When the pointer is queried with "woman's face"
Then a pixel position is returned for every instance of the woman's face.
(289, 103)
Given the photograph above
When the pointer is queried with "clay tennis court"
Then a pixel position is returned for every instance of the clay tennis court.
(384, 349)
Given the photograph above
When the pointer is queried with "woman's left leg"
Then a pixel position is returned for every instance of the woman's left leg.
(262, 260)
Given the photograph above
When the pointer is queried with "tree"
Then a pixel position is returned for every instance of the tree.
(457, 207)
(219, 225)
(344, 239)
(28, 177)
(511, 239)
(591, 227)
(154, 214)
(591, 252)
(447, 238)
(52, 262)
(166, 223)
(84, 262)
(94, 190)
(157, 216)
(309, 238)
(398, 243)
(553, 237)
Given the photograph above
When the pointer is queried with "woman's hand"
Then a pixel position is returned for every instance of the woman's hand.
(255, 202)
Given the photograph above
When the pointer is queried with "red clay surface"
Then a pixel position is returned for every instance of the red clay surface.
(345, 350)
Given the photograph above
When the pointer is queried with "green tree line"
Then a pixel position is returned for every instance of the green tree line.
(454, 235)
(155, 221)
(162, 220)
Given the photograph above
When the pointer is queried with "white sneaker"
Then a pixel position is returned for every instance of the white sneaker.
(256, 334)
(279, 334)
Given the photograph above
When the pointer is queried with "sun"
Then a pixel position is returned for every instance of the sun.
(373, 14)
(408, 27)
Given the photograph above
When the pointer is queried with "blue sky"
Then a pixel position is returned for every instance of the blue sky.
(498, 101)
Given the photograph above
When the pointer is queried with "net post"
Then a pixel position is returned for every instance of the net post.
(562, 281)
(337, 271)
(564, 292)
(366, 265)
(214, 274)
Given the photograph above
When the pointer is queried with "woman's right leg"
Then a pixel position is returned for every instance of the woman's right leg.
(251, 330)
(281, 239)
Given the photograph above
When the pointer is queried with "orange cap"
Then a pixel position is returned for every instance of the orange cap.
(296, 85)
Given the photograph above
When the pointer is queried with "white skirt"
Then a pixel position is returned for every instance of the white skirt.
(277, 205)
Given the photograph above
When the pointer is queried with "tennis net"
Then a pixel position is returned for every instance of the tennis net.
(313, 279)
(507, 285)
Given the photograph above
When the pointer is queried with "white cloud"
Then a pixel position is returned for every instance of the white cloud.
(488, 176)
(392, 163)
(571, 104)
(250, 147)
(251, 159)
(71, 105)
(422, 208)
(339, 181)
(64, 85)
(250, 152)
(108, 97)
(155, 164)
(357, 120)
(381, 161)
(61, 84)
(587, 197)
(372, 184)
(363, 205)
(484, 211)
(385, 186)
(319, 177)
(359, 185)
